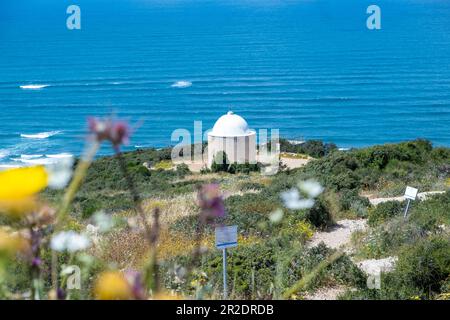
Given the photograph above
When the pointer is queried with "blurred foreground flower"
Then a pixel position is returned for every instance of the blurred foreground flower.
(211, 202)
(69, 241)
(60, 173)
(112, 285)
(135, 281)
(18, 187)
(276, 216)
(311, 187)
(292, 200)
(21, 183)
(117, 132)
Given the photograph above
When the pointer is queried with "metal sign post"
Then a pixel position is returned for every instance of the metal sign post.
(406, 209)
(410, 194)
(224, 271)
(226, 237)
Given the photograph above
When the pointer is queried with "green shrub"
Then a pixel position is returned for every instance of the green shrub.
(220, 162)
(319, 215)
(422, 271)
(350, 200)
(384, 211)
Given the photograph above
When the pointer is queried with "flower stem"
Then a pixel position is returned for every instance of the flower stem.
(78, 177)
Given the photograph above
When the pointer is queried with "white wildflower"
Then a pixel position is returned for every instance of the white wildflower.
(311, 187)
(103, 221)
(293, 201)
(276, 216)
(60, 172)
(69, 241)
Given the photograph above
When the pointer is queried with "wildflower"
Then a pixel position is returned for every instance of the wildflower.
(19, 186)
(69, 241)
(211, 202)
(312, 188)
(22, 183)
(117, 132)
(112, 285)
(293, 201)
(103, 221)
(134, 278)
(60, 173)
(276, 216)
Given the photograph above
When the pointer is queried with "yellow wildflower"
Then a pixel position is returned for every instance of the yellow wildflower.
(20, 183)
(18, 187)
(112, 285)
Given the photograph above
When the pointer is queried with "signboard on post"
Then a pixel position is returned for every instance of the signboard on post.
(226, 237)
(411, 193)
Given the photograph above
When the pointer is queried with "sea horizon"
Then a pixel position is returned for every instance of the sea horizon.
(310, 69)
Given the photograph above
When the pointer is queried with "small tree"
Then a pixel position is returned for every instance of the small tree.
(220, 162)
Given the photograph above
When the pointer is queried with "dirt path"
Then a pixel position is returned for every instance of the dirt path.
(421, 196)
(339, 235)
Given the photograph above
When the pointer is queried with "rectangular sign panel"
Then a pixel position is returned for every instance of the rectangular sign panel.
(226, 237)
(411, 193)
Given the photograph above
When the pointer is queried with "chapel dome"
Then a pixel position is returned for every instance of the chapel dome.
(230, 125)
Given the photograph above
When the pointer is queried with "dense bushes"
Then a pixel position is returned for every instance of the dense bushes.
(319, 215)
(350, 200)
(221, 163)
(314, 148)
(412, 162)
(265, 270)
(422, 272)
(384, 211)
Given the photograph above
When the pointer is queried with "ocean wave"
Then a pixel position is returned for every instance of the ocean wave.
(41, 135)
(34, 86)
(37, 161)
(181, 84)
(30, 156)
(60, 155)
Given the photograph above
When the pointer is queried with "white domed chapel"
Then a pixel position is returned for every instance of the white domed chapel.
(232, 135)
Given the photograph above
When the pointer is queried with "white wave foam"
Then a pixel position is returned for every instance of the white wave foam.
(39, 161)
(60, 156)
(30, 156)
(181, 84)
(42, 135)
(34, 86)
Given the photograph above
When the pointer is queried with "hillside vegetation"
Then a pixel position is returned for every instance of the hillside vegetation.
(273, 259)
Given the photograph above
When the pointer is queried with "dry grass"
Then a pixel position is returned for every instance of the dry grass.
(128, 248)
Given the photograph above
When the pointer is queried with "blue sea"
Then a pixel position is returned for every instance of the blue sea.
(311, 69)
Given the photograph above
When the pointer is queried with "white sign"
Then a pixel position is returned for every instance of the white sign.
(411, 193)
(226, 237)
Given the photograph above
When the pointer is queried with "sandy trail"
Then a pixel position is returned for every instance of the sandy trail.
(339, 235)
(421, 196)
